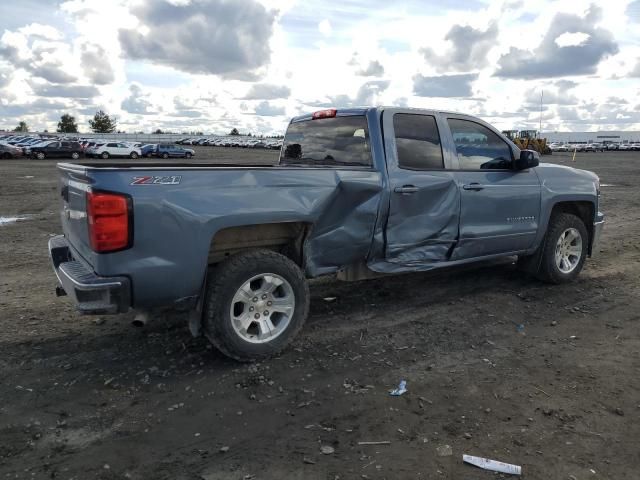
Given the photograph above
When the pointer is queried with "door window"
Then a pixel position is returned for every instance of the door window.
(417, 142)
(478, 147)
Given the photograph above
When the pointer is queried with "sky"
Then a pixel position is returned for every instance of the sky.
(214, 65)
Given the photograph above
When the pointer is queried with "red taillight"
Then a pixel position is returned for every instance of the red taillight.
(108, 217)
(329, 113)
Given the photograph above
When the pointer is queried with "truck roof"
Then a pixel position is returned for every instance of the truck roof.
(344, 112)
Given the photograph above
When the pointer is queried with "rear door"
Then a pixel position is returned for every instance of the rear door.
(424, 208)
(500, 206)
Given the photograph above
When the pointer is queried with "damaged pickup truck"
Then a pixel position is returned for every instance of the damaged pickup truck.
(357, 193)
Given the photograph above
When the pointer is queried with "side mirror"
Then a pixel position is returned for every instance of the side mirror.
(528, 159)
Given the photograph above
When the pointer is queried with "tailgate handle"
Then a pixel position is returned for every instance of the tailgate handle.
(406, 189)
(473, 186)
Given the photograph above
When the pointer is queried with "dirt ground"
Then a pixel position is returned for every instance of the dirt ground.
(497, 365)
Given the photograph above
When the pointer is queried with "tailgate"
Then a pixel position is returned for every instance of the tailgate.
(74, 185)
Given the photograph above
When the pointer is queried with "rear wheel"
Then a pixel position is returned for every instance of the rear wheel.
(256, 303)
(187, 155)
(40, 155)
(133, 155)
(105, 155)
(6, 156)
(75, 155)
(564, 250)
(165, 155)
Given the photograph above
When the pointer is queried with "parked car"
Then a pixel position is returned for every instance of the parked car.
(564, 148)
(114, 149)
(9, 151)
(624, 147)
(57, 150)
(613, 146)
(350, 196)
(166, 150)
(148, 150)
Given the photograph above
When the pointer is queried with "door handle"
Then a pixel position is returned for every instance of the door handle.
(406, 189)
(473, 186)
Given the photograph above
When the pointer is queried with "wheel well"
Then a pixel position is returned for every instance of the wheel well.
(285, 238)
(585, 211)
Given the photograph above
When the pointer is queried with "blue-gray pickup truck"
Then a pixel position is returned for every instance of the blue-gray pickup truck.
(357, 192)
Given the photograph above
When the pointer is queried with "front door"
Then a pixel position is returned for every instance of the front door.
(422, 225)
(500, 207)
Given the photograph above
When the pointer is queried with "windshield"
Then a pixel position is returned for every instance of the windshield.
(327, 142)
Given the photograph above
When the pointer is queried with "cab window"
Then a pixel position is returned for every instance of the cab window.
(479, 148)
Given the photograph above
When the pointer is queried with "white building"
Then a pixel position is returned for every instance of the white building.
(592, 137)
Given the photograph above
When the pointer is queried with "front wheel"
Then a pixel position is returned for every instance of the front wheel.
(564, 250)
(133, 155)
(40, 155)
(256, 303)
(105, 155)
(75, 155)
(187, 155)
(165, 155)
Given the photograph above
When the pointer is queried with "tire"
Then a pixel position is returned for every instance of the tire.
(165, 155)
(187, 155)
(75, 155)
(133, 155)
(40, 156)
(223, 293)
(559, 224)
(104, 155)
(6, 156)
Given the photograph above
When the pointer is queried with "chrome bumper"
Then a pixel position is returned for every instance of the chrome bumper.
(91, 293)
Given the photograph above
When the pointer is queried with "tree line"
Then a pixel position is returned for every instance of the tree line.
(100, 123)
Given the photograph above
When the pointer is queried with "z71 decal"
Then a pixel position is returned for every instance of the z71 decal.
(170, 180)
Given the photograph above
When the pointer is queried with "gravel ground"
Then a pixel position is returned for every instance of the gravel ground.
(91, 397)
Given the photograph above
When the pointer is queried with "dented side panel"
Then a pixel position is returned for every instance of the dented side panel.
(174, 224)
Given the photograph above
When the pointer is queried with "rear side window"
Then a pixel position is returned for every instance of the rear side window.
(338, 141)
(417, 142)
(478, 147)
(112, 144)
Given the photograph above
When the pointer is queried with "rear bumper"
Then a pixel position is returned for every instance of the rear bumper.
(598, 225)
(91, 293)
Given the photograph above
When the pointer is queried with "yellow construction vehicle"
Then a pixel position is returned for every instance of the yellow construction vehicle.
(528, 139)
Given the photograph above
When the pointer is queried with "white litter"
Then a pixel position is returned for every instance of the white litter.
(8, 220)
(402, 388)
(493, 465)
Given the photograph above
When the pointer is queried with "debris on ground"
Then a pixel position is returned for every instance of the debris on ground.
(493, 465)
(327, 450)
(402, 388)
(444, 450)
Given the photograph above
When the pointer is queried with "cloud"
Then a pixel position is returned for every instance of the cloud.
(557, 93)
(265, 109)
(36, 49)
(469, 49)
(374, 69)
(551, 60)
(67, 91)
(267, 91)
(95, 64)
(444, 86)
(367, 95)
(52, 72)
(636, 71)
(228, 38)
(633, 11)
(136, 102)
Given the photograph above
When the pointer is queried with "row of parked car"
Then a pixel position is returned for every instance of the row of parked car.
(233, 141)
(593, 147)
(12, 146)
